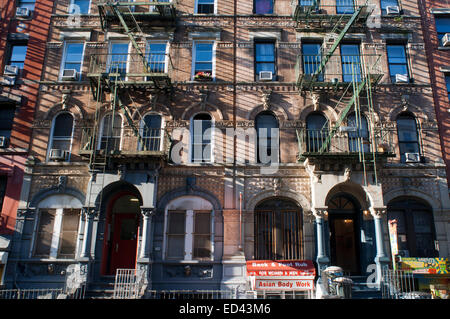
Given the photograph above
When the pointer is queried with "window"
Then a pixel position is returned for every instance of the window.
(442, 27)
(189, 234)
(267, 133)
(111, 132)
(57, 233)
(6, 119)
(415, 227)
(156, 56)
(408, 139)
(345, 6)
(61, 137)
(312, 57)
(151, 133)
(447, 83)
(201, 138)
(316, 132)
(118, 59)
(263, 6)
(358, 137)
(17, 55)
(278, 230)
(387, 3)
(3, 183)
(26, 4)
(264, 58)
(203, 61)
(84, 6)
(73, 58)
(205, 6)
(398, 64)
(351, 65)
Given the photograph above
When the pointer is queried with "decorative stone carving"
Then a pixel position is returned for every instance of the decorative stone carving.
(378, 212)
(320, 212)
(266, 94)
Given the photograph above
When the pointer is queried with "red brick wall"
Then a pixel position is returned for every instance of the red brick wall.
(438, 59)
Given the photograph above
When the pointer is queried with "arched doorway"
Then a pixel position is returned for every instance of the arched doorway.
(121, 232)
(343, 221)
(278, 230)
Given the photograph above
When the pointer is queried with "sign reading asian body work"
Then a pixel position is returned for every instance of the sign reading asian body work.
(281, 274)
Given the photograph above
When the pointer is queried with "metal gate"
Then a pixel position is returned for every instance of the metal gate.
(126, 285)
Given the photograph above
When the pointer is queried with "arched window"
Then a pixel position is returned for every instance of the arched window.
(408, 139)
(201, 149)
(278, 230)
(358, 136)
(267, 138)
(151, 133)
(61, 137)
(316, 132)
(111, 132)
(415, 227)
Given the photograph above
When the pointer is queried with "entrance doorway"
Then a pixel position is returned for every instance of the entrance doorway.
(344, 242)
(121, 234)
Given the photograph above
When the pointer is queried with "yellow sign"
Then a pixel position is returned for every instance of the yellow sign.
(438, 266)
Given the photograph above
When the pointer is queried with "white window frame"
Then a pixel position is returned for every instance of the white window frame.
(166, 59)
(72, 2)
(64, 57)
(56, 234)
(141, 125)
(189, 231)
(50, 144)
(110, 53)
(102, 123)
(196, 8)
(191, 134)
(194, 46)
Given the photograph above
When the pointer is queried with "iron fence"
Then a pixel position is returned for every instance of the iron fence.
(398, 284)
(126, 284)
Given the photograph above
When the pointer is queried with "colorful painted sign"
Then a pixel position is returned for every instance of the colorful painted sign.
(281, 274)
(392, 225)
(262, 283)
(304, 268)
(439, 266)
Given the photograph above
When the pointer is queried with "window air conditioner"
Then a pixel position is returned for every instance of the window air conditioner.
(57, 154)
(412, 157)
(392, 10)
(8, 80)
(11, 70)
(22, 12)
(3, 141)
(401, 78)
(265, 76)
(446, 40)
(69, 75)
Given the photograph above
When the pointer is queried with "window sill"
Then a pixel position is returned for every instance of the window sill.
(443, 48)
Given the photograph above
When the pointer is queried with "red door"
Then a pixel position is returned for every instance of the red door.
(123, 250)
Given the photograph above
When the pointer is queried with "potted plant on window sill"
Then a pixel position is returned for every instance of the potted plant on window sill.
(203, 76)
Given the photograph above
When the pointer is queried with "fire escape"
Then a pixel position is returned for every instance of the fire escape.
(349, 78)
(124, 75)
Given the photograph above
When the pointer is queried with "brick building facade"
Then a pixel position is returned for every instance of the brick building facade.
(127, 187)
(22, 45)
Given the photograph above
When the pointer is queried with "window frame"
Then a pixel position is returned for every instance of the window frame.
(189, 234)
(56, 239)
(142, 136)
(254, 7)
(440, 17)
(418, 136)
(306, 64)
(11, 46)
(101, 131)
(111, 43)
(72, 2)
(255, 59)
(191, 142)
(166, 52)
(52, 137)
(197, 4)
(344, 63)
(406, 63)
(26, 4)
(257, 146)
(64, 59)
(194, 60)
(383, 10)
